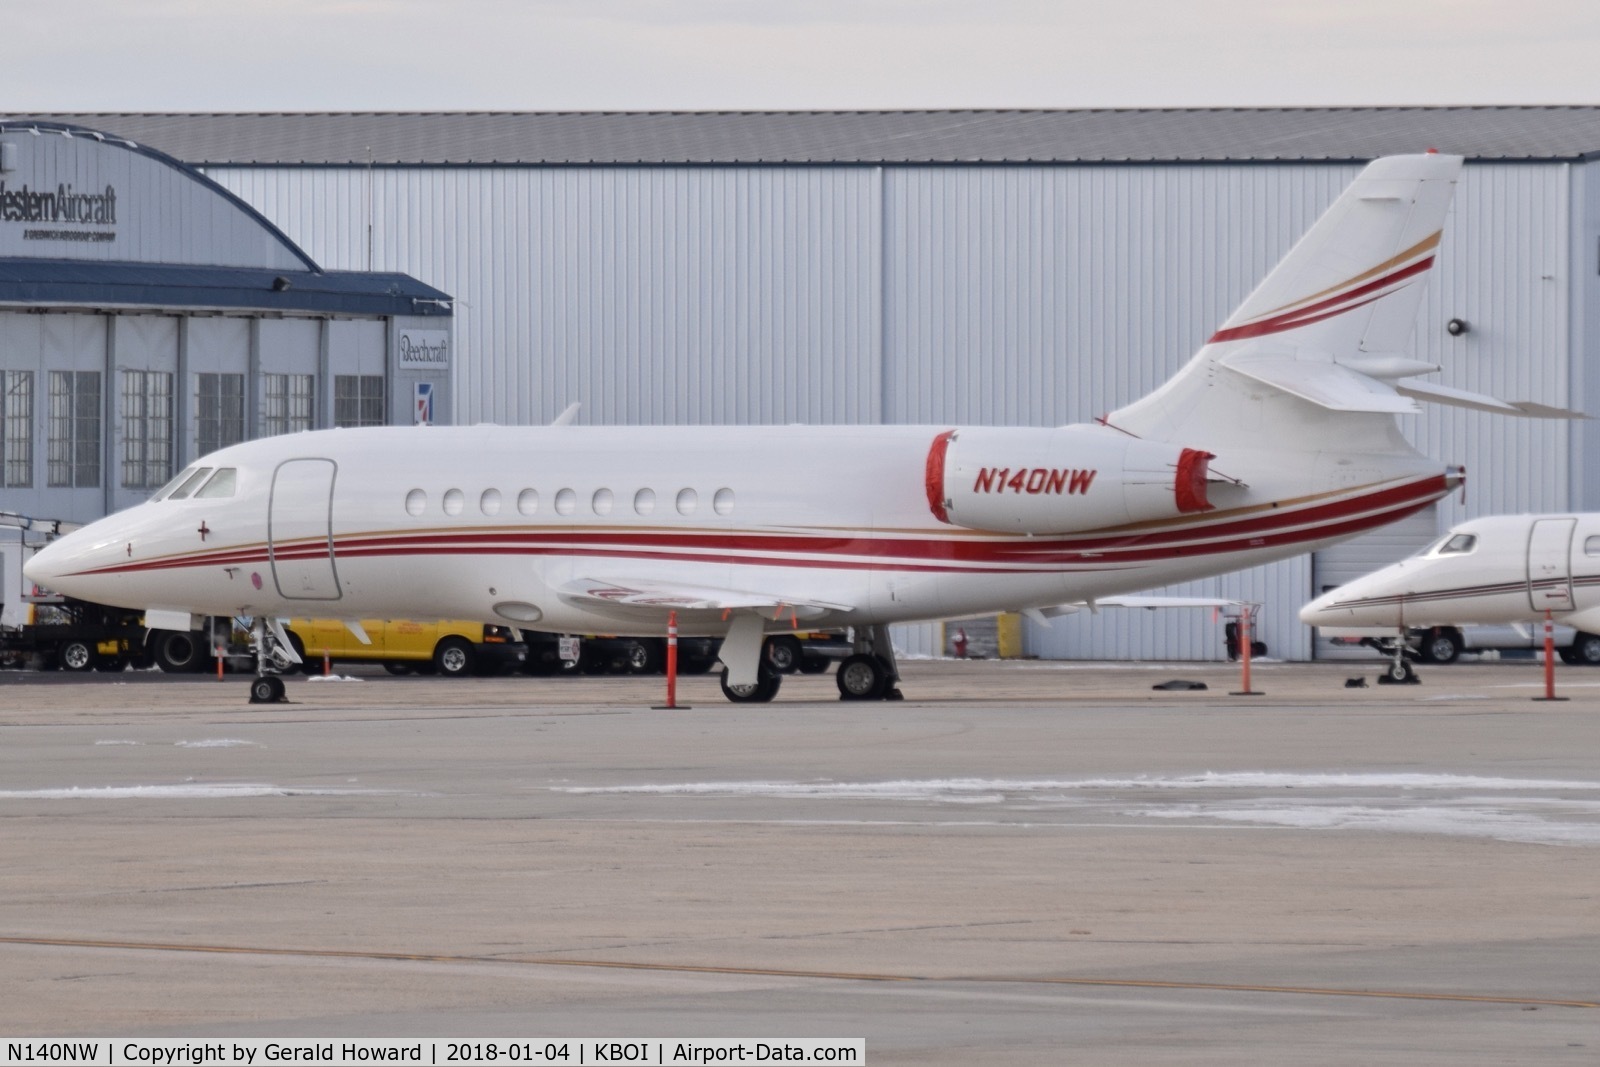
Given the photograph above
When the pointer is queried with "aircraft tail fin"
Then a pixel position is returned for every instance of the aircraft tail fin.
(1344, 300)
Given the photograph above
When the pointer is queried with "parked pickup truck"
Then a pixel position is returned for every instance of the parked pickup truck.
(1445, 644)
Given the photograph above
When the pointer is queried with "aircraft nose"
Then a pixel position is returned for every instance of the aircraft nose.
(1325, 611)
(48, 566)
(62, 567)
(1368, 601)
(44, 565)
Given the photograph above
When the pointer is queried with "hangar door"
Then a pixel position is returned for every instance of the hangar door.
(300, 530)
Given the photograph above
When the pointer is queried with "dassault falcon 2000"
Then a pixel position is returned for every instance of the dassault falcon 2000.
(1497, 569)
(1279, 436)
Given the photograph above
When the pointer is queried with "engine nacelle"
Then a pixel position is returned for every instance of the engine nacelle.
(1063, 480)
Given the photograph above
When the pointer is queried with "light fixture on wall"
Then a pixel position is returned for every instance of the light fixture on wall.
(1456, 327)
(280, 284)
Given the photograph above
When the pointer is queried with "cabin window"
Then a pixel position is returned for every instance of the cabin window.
(644, 501)
(1458, 545)
(528, 501)
(566, 502)
(454, 501)
(722, 503)
(1591, 546)
(602, 501)
(688, 501)
(489, 502)
(416, 502)
(185, 483)
(221, 485)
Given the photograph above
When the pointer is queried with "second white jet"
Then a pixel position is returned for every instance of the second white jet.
(1497, 569)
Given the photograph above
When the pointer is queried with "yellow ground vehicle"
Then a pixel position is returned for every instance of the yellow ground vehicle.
(451, 647)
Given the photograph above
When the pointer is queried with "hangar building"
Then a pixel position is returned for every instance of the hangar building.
(148, 316)
(990, 267)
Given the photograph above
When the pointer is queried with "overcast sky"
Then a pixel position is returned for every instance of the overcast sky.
(298, 55)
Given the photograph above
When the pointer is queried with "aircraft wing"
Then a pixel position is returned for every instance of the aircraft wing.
(1056, 611)
(636, 598)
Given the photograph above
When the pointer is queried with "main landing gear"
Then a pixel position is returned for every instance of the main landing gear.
(870, 673)
(765, 688)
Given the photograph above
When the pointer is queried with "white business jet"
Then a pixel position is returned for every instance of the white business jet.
(1277, 438)
(1499, 569)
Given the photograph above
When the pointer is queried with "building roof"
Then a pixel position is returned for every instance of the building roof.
(45, 283)
(859, 137)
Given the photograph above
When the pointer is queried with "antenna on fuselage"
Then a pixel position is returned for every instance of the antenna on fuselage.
(566, 417)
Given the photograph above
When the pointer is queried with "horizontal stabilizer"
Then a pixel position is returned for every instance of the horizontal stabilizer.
(1443, 394)
(654, 598)
(1323, 383)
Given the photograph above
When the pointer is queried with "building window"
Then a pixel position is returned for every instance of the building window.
(16, 429)
(74, 440)
(218, 411)
(358, 400)
(291, 403)
(146, 429)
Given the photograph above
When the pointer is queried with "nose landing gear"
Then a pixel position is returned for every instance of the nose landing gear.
(1399, 671)
(267, 687)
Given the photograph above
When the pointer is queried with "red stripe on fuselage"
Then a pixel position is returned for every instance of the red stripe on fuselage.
(852, 550)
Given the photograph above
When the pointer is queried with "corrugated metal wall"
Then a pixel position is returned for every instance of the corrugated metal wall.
(949, 294)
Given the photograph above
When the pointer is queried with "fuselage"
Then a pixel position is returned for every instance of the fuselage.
(498, 522)
(1498, 569)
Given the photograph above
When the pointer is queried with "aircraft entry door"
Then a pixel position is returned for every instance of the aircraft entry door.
(1550, 565)
(300, 530)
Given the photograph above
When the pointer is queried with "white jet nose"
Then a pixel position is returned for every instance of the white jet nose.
(1324, 611)
(45, 568)
(1367, 601)
(63, 565)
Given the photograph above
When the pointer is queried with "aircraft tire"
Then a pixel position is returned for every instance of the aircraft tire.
(762, 692)
(862, 677)
(266, 689)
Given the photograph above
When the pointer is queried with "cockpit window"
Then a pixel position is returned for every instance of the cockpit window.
(189, 484)
(1458, 545)
(183, 476)
(221, 484)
